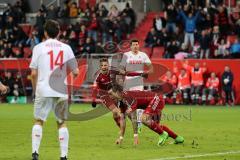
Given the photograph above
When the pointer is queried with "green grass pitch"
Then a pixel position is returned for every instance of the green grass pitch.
(207, 130)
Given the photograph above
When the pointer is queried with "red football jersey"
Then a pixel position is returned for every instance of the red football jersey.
(136, 99)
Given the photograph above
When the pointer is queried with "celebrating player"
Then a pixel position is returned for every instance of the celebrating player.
(103, 84)
(135, 61)
(154, 103)
(49, 56)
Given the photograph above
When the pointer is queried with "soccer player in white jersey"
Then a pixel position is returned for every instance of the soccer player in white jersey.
(50, 61)
(135, 61)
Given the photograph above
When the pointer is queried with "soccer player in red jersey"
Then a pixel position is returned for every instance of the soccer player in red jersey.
(103, 84)
(154, 103)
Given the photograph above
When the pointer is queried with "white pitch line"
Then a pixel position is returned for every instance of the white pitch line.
(199, 155)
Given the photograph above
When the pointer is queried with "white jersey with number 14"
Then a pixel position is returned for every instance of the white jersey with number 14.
(49, 58)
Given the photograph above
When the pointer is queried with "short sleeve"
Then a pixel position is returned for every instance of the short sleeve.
(34, 61)
(146, 59)
(71, 62)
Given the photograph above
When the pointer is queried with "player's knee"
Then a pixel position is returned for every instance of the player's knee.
(61, 124)
(39, 122)
(116, 113)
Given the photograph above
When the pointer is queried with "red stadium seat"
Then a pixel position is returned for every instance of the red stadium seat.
(157, 52)
(147, 50)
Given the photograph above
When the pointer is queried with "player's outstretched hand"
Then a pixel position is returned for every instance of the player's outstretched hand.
(94, 104)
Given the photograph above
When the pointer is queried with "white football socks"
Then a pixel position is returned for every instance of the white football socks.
(63, 139)
(36, 137)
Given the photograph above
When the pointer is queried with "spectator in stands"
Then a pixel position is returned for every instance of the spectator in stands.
(10, 24)
(32, 40)
(107, 30)
(52, 12)
(235, 49)
(227, 81)
(81, 13)
(207, 21)
(18, 53)
(89, 46)
(2, 53)
(223, 21)
(129, 16)
(8, 50)
(83, 33)
(170, 16)
(113, 12)
(215, 35)
(117, 30)
(73, 40)
(190, 27)
(210, 92)
(73, 11)
(92, 29)
(178, 36)
(163, 38)
(151, 38)
(40, 19)
(1, 23)
(222, 49)
(102, 12)
(205, 42)
(18, 13)
(172, 49)
(99, 48)
(196, 80)
(19, 35)
(159, 23)
(1, 44)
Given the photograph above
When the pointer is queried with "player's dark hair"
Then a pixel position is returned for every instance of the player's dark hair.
(134, 40)
(52, 28)
(103, 60)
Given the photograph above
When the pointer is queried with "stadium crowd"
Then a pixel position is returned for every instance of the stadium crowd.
(205, 32)
(189, 30)
(94, 27)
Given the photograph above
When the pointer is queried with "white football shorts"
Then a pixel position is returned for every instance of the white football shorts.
(44, 105)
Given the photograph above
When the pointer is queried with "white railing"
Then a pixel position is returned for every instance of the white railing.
(51, 3)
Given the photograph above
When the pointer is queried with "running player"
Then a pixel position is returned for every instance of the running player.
(154, 103)
(103, 84)
(50, 60)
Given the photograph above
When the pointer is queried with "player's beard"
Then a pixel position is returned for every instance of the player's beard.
(105, 71)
